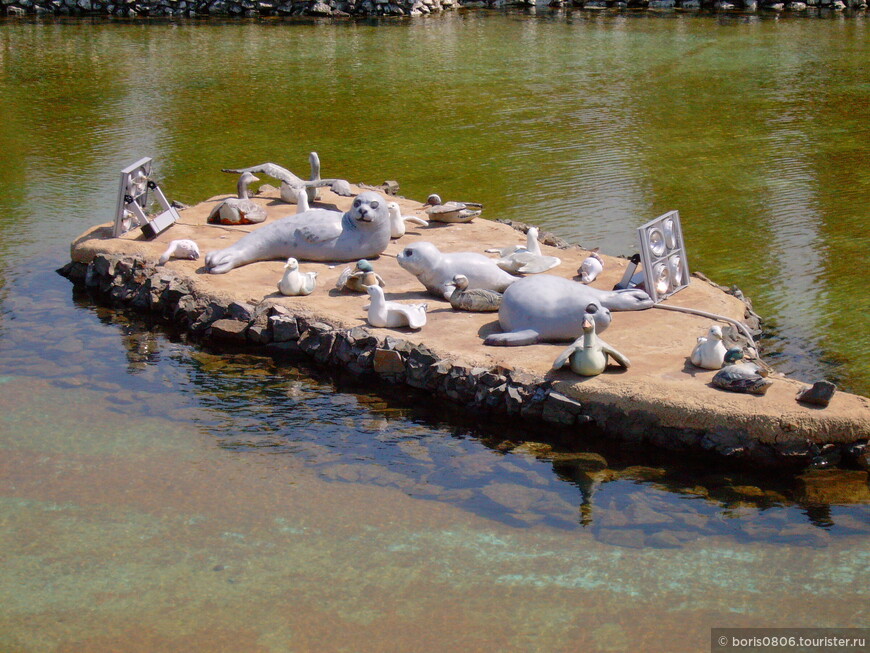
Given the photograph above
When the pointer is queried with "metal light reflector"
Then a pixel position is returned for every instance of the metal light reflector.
(136, 182)
(663, 256)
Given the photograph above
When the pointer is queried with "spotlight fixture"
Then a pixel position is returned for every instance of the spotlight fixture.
(663, 256)
(133, 192)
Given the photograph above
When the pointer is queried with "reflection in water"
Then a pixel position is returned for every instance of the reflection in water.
(521, 475)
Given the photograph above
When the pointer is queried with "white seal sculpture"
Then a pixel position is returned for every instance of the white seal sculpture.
(295, 283)
(709, 353)
(436, 270)
(241, 209)
(397, 220)
(315, 235)
(382, 313)
(587, 356)
(183, 248)
(547, 308)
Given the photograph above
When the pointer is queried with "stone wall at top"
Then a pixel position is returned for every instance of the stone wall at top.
(346, 8)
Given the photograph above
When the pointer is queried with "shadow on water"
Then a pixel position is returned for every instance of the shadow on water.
(347, 429)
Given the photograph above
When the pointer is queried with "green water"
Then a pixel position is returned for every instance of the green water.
(158, 496)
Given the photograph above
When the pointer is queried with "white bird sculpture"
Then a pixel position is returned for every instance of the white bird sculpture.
(526, 259)
(397, 220)
(180, 249)
(241, 209)
(301, 200)
(295, 283)
(290, 182)
(591, 267)
(382, 313)
(709, 353)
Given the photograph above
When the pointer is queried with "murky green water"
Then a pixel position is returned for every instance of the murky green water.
(157, 496)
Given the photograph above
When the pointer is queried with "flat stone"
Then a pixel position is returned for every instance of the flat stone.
(819, 394)
(388, 361)
(228, 330)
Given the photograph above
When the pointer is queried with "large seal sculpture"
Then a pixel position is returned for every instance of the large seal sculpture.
(314, 235)
(436, 270)
(547, 308)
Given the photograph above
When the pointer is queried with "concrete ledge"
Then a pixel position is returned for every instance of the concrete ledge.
(662, 400)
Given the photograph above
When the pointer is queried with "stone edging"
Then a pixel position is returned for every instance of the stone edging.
(364, 8)
(131, 282)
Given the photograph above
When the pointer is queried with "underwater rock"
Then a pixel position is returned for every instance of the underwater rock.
(827, 486)
(586, 461)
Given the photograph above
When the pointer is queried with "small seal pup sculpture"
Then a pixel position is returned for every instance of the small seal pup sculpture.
(710, 351)
(315, 235)
(359, 278)
(547, 308)
(475, 300)
(587, 356)
(295, 283)
(290, 182)
(382, 313)
(591, 267)
(241, 209)
(397, 220)
(741, 377)
(436, 270)
(183, 248)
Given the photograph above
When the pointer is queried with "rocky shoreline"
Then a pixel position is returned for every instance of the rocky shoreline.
(366, 8)
(496, 392)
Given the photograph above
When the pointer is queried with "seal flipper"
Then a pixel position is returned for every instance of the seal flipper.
(513, 338)
(322, 234)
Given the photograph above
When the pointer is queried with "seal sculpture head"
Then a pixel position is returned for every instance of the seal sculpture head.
(313, 235)
(436, 269)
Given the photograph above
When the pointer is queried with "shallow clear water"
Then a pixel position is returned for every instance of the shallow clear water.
(158, 496)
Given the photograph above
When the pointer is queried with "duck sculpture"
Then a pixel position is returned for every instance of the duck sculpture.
(382, 313)
(588, 355)
(397, 220)
(476, 300)
(528, 259)
(184, 248)
(591, 267)
(452, 211)
(295, 283)
(738, 376)
(241, 209)
(710, 351)
(359, 278)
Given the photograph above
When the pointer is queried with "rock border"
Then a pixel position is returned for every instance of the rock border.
(131, 282)
(369, 8)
